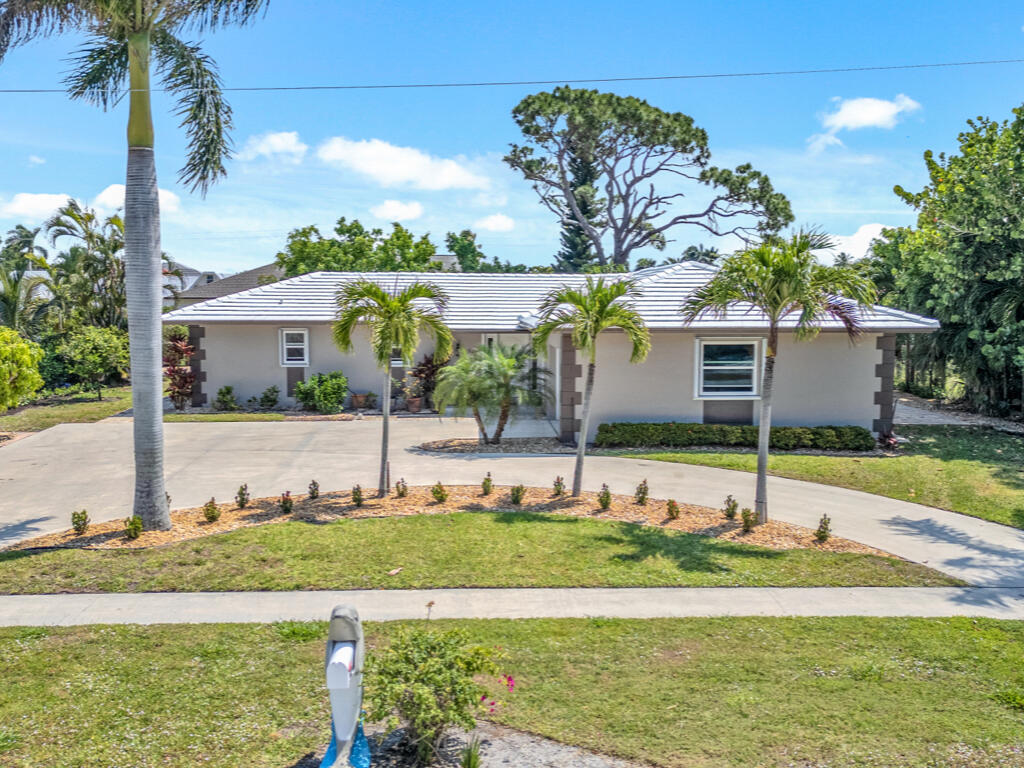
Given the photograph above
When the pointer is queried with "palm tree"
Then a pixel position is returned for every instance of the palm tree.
(21, 306)
(394, 320)
(783, 280)
(585, 313)
(129, 38)
(19, 249)
(460, 386)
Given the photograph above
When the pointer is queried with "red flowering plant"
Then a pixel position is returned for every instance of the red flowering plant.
(180, 379)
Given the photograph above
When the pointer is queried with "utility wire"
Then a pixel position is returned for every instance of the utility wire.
(486, 84)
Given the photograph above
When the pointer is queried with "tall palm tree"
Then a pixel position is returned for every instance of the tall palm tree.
(395, 320)
(128, 39)
(585, 313)
(783, 280)
(21, 306)
(20, 249)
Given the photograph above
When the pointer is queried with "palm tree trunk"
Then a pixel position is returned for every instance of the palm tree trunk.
(506, 407)
(764, 432)
(581, 443)
(382, 484)
(142, 280)
(481, 427)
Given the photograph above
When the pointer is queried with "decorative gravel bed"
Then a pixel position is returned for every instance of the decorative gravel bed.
(704, 521)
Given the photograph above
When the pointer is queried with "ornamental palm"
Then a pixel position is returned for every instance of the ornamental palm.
(460, 386)
(395, 321)
(585, 313)
(22, 308)
(782, 280)
(128, 39)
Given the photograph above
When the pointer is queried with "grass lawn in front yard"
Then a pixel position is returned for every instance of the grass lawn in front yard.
(675, 693)
(82, 408)
(972, 470)
(461, 549)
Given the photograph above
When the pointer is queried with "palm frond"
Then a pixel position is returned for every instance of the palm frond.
(22, 21)
(209, 15)
(99, 72)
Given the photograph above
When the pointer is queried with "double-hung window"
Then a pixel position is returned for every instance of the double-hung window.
(728, 368)
(295, 347)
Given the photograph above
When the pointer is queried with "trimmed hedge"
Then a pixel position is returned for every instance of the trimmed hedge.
(675, 435)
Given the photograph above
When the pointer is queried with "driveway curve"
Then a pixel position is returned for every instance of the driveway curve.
(45, 477)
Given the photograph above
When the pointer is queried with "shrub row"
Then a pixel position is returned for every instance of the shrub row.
(675, 435)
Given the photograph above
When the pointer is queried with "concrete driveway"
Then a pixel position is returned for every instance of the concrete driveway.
(74, 466)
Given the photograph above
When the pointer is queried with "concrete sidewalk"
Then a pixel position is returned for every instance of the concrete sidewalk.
(391, 605)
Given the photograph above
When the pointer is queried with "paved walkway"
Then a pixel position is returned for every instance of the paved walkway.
(391, 605)
(74, 466)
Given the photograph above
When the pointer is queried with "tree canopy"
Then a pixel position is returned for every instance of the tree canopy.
(19, 368)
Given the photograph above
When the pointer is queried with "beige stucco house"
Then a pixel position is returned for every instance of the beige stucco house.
(708, 372)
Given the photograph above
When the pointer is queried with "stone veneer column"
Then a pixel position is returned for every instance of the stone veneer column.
(885, 397)
(569, 398)
(195, 340)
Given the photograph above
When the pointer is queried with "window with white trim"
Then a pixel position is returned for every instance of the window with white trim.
(294, 347)
(728, 368)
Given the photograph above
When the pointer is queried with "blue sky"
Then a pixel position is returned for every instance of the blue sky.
(835, 144)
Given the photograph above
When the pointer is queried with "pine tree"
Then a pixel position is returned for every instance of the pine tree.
(577, 252)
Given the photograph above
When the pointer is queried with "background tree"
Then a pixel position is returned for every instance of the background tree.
(637, 148)
(22, 306)
(471, 258)
(394, 321)
(586, 313)
(576, 251)
(19, 368)
(699, 253)
(96, 355)
(128, 39)
(357, 249)
(782, 279)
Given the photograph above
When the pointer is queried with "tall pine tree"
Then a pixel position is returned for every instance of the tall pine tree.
(577, 252)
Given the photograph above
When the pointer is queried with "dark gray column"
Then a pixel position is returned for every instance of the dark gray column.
(196, 333)
(885, 397)
(569, 398)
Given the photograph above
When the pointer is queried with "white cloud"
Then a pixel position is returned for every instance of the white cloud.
(112, 198)
(496, 222)
(396, 210)
(36, 160)
(858, 243)
(31, 206)
(284, 145)
(393, 166)
(854, 114)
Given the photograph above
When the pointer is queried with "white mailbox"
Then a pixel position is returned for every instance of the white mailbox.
(344, 671)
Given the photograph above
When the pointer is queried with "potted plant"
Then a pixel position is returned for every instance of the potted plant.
(412, 387)
(359, 400)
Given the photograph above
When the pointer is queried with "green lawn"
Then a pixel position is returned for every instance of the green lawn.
(972, 470)
(693, 693)
(82, 408)
(462, 549)
(223, 417)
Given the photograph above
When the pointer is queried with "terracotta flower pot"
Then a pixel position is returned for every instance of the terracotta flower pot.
(358, 401)
(414, 404)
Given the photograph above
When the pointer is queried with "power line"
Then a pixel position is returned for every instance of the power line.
(578, 81)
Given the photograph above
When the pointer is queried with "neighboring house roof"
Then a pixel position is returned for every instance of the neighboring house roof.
(505, 301)
(242, 281)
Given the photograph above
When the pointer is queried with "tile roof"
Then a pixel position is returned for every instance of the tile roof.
(504, 302)
(242, 281)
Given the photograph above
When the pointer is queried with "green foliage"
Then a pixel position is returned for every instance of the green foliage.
(427, 370)
(314, 489)
(487, 485)
(428, 681)
(642, 492)
(577, 252)
(242, 497)
(269, 397)
(211, 511)
(1011, 697)
(729, 507)
(19, 368)
(672, 509)
(439, 492)
(180, 378)
(401, 489)
(80, 521)
(132, 527)
(471, 259)
(323, 392)
(357, 249)
(226, 400)
(748, 519)
(683, 435)
(824, 530)
(558, 487)
(516, 494)
(95, 355)
(649, 149)
(286, 503)
(299, 631)
(357, 495)
(470, 755)
(604, 497)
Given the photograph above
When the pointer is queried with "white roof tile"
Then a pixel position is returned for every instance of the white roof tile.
(503, 301)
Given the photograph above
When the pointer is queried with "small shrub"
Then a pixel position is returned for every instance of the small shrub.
(430, 681)
(517, 492)
(749, 519)
(133, 527)
(672, 509)
(286, 503)
(824, 530)
(269, 397)
(242, 497)
(357, 495)
(323, 392)
(604, 498)
(401, 489)
(314, 489)
(80, 521)
(470, 755)
(1011, 697)
(730, 508)
(487, 485)
(226, 400)
(211, 511)
(559, 486)
(642, 492)
(439, 492)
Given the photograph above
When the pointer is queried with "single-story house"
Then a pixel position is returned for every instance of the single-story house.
(708, 372)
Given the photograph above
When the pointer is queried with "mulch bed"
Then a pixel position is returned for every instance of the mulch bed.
(191, 524)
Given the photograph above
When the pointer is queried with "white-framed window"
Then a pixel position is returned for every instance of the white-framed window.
(294, 347)
(728, 369)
